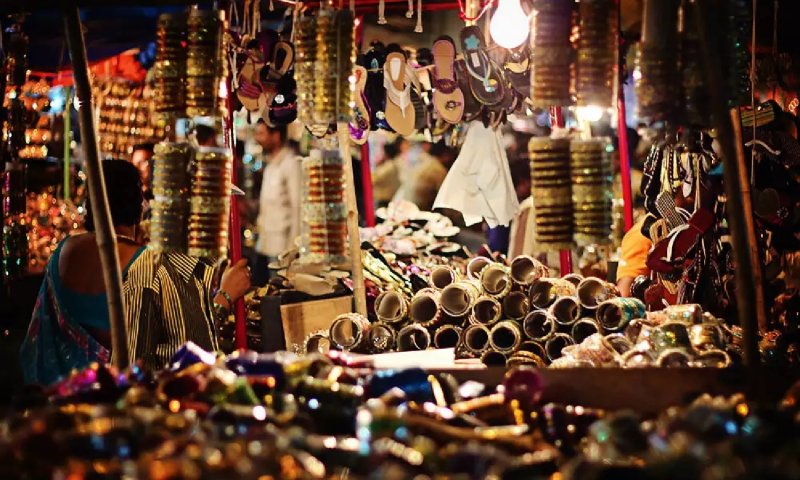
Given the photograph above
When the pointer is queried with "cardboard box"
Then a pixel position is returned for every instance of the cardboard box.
(284, 324)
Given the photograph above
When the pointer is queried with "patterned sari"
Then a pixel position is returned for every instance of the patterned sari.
(56, 344)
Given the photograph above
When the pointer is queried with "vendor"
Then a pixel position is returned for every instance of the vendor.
(171, 298)
(633, 258)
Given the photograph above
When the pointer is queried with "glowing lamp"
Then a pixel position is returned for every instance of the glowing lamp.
(509, 26)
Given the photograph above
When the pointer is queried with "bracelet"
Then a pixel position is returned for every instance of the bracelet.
(220, 312)
(226, 297)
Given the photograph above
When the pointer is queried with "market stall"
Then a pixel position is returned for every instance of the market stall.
(410, 353)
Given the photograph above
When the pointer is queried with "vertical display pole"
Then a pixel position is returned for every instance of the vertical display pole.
(101, 214)
(366, 180)
(624, 163)
(234, 225)
(359, 289)
(622, 129)
(67, 140)
(565, 256)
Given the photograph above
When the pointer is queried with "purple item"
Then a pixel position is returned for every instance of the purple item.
(189, 354)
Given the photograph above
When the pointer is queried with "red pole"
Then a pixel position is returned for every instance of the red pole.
(366, 181)
(624, 162)
(557, 120)
(234, 232)
(622, 130)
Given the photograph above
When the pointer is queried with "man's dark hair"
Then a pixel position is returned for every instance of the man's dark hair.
(204, 134)
(281, 129)
(147, 147)
(124, 190)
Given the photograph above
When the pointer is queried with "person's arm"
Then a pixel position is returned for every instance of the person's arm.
(294, 182)
(633, 259)
(234, 284)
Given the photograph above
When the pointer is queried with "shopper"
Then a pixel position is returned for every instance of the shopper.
(70, 326)
(142, 159)
(278, 220)
(429, 175)
(386, 177)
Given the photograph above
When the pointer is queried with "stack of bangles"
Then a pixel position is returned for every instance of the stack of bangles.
(324, 210)
(220, 311)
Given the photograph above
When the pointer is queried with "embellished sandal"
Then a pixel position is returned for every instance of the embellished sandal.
(397, 79)
(250, 91)
(485, 81)
(517, 70)
(283, 107)
(448, 99)
(472, 107)
(374, 90)
(359, 126)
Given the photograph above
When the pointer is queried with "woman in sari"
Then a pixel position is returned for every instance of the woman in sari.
(70, 326)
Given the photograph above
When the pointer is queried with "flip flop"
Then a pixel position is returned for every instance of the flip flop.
(485, 81)
(517, 70)
(397, 79)
(373, 90)
(359, 126)
(448, 99)
(283, 109)
(472, 107)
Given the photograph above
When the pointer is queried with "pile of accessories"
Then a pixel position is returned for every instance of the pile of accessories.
(251, 416)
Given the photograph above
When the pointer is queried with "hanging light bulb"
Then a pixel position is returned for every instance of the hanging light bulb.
(509, 26)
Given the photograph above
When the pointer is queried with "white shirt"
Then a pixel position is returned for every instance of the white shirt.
(279, 204)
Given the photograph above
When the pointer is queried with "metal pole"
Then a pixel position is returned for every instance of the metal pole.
(739, 207)
(104, 230)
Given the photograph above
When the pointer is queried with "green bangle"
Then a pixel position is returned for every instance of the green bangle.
(226, 297)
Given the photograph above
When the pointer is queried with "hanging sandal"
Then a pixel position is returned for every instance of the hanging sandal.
(472, 107)
(250, 91)
(359, 126)
(397, 79)
(485, 81)
(448, 99)
(517, 70)
(374, 91)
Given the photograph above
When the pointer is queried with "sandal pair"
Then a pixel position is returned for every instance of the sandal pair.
(270, 88)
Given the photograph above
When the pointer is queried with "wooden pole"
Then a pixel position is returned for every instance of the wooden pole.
(359, 289)
(739, 207)
(104, 229)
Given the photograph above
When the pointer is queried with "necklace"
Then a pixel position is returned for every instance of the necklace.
(126, 237)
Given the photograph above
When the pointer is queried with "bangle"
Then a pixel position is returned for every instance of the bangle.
(226, 297)
(220, 312)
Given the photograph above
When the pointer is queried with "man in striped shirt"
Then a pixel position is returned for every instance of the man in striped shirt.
(168, 298)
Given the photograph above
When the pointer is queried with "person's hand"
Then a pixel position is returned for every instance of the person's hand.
(236, 280)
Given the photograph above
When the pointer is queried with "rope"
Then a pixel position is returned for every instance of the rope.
(462, 14)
